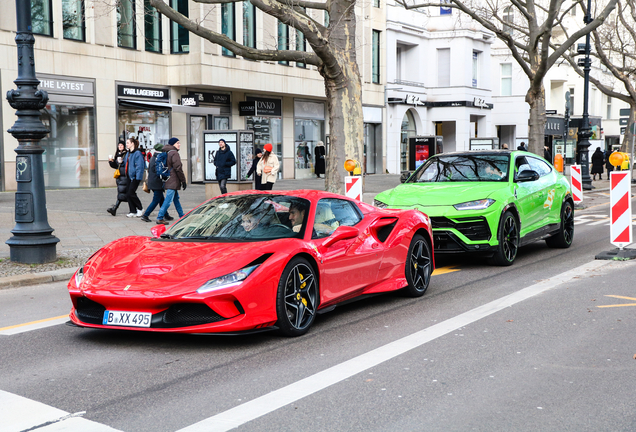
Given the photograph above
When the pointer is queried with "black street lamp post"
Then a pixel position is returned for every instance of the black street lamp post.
(33, 240)
(585, 132)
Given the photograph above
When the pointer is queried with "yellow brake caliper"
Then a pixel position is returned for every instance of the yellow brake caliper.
(298, 296)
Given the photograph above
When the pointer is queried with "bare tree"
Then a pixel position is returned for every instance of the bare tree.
(615, 48)
(334, 53)
(525, 27)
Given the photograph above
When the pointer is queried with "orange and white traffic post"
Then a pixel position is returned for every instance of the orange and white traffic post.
(620, 209)
(353, 183)
(577, 183)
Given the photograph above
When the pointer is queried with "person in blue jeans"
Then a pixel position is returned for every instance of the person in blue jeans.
(155, 184)
(176, 181)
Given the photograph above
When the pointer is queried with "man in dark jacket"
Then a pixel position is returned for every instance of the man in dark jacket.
(156, 185)
(176, 181)
(224, 160)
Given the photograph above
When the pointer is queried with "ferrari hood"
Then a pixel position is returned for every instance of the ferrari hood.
(438, 194)
(148, 265)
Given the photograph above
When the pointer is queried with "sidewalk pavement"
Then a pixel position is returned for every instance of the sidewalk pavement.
(80, 221)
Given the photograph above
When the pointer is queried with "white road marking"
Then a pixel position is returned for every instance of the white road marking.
(23, 328)
(276, 399)
(19, 413)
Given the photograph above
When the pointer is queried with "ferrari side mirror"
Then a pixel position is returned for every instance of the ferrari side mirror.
(342, 233)
(526, 176)
(157, 230)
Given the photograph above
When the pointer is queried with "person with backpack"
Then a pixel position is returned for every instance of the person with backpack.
(175, 182)
(155, 184)
(224, 160)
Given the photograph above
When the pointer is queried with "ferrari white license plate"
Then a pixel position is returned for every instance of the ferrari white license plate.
(127, 319)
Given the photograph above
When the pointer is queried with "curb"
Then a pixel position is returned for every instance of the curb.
(37, 278)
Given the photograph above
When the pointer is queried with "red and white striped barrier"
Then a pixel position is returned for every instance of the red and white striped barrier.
(577, 183)
(353, 187)
(620, 209)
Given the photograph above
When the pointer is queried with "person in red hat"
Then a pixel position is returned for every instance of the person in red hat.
(268, 168)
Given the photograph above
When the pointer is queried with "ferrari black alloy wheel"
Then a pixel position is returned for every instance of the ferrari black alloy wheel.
(563, 239)
(508, 237)
(297, 298)
(419, 267)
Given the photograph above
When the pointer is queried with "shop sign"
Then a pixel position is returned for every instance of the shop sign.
(247, 108)
(267, 107)
(66, 86)
(189, 101)
(414, 100)
(143, 92)
(480, 103)
(211, 98)
(554, 126)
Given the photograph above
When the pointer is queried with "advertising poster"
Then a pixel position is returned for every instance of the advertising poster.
(421, 154)
(145, 133)
(246, 140)
(211, 142)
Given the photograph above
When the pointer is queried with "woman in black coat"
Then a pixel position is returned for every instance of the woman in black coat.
(598, 159)
(319, 154)
(122, 181)
(257, 178)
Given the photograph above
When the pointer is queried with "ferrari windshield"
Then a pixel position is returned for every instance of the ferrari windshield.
(463, 168)
(243, 218)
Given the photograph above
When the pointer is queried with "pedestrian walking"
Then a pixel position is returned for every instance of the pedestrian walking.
(608, 166)
(257, 178)
(268, 168)
(319, 154)
(504, 146)
(224, 160)
(135, 167)
(522, 146)
(176, 181)
(155, 184)
(598, 159)
(121, 179)
(547, 155)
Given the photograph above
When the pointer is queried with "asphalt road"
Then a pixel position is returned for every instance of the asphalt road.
(520, 348)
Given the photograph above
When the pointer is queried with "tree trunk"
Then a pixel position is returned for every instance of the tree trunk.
(346, 130)
(626, 146)
(536, 123)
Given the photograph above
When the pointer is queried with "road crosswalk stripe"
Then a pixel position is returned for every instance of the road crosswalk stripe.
(19, 414)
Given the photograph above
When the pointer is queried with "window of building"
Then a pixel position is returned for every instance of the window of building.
(179, 36)
(375, 66)
(609, 108)
(152, 28)
(508, 17)
(227, 25)
(73, 24)
(126, 29)
(443, 67)
(283, 40)
(572, 101)
(301, 45)
(326, 18)
(506, 79)
(267, 130)
(475, 68)
(376, 3)
(41, 17)
(249, 24)
(445, 10)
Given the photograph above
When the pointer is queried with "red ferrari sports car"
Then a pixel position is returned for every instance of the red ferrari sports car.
(250, 261)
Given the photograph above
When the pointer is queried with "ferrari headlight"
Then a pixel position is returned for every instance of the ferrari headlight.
(379, 204)
(229, 280)
(475, 205)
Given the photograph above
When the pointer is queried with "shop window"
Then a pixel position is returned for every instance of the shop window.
(150, 127)
(69, 149)
(73, 23)
(267, 130)
(307, 133)
(179, 36)
(407, 130)
(283, 40)
(249, 24)
(375, 67)
(152, 28)
(227, 25)
(41, 17)
(126, 29)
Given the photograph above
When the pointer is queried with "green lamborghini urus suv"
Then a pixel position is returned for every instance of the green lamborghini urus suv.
(489, 202)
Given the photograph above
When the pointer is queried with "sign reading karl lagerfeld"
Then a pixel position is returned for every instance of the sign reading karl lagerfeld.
(143, 92)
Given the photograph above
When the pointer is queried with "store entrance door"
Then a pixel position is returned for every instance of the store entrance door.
(372, 148)
(197, 150)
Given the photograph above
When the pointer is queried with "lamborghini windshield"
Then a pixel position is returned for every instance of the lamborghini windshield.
(463, 168)
(243, 218)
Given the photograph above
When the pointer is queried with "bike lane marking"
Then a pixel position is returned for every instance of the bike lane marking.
(276, 399)
(33, 325)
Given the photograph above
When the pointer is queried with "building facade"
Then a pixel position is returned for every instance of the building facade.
(116, 71)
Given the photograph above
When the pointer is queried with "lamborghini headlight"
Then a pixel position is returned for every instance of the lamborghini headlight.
(229, 280)
(475, 205)
(379, 204)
